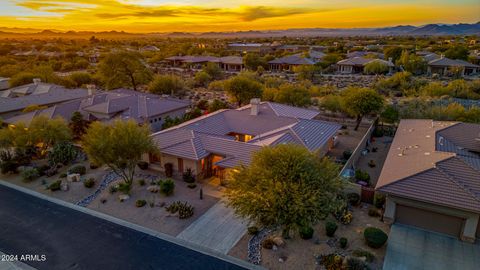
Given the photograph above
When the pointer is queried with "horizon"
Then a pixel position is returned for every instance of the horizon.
(193, 16)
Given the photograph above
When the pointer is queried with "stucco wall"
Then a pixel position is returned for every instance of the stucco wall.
(157, 125)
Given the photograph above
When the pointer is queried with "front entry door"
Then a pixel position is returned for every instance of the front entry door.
(180, 165)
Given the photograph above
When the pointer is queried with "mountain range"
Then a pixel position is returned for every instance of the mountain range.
(400, 30)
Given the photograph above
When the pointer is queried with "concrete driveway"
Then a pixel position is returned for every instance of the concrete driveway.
(410, 248)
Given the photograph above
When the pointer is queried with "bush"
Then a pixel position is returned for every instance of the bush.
(188, 176)
(371, 163)
(29, 175)
(112, 189)
(379, 200)
(306, 232)
(168, 169)
(374, 237)
(353, 198)
(143, 165)
(140, 203)
(183, 208)
(63, 152)
(253, 230)
(141, 182)
(167, 187)
(55, 185)
(63, 175)
(80, 169)
(268, 243)
(93, 166)
(356, 264)
(373, 212)
(347, 154)
(192, 185)
(330, 228)
(343, 242)
(363, 253)
(8, 166)
(42, 169)
(377, 132)
(89, 183)
(362, 176)
(124, 188)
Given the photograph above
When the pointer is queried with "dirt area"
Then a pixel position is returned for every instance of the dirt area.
(382, 144)
(300, 254)
(348, 139)
(156, 218)
(76, 190)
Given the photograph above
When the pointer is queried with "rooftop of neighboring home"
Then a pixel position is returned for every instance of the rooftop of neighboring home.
(107, 106)
(436, 162)
(363, 54)
(296, 59)
(362, 61)
(204, 59)
(260, 123)
(447, 62)
(38, 93)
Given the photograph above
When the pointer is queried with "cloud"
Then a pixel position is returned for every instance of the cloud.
(261, 12)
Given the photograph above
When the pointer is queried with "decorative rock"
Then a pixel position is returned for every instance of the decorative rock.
(74, 177)
(254, 246)
(282, 259)
(153, 189)
(160, 204)
(275, 248)
(278, 241)
(64, 186)
(123, 197)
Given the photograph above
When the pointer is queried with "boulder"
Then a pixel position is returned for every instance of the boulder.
(74, 177)
(64, 186)
(278, 241)
(153, 189)
(123, 197)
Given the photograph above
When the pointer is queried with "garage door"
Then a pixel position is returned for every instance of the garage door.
(428, 220)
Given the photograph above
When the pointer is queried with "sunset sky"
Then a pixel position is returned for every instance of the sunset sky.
(218, 15)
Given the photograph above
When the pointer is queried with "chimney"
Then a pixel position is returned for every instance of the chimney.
(442, 56)
(91, 89)
(255, 103)
(37, 81)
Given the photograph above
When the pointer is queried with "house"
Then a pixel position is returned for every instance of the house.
(443, 66)
(431, 177)
(250, 47)
(227, 63)
(14, 100)
(357, 64)
(215, 143)
(289, 62)
(364, 54)
(108, 106)
(231, 63)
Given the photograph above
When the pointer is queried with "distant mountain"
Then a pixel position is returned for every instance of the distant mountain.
(425, 30)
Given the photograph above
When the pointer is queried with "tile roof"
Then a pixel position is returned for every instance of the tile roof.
(296, 59)
(436, 162)
(274, 124)
(362, 61)
(443, 61)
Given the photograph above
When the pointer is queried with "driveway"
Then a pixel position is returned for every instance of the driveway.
(71, 239)
(410, 248)
(218, 229)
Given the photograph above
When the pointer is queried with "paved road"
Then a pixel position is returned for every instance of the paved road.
(218, 229)
(74, 240)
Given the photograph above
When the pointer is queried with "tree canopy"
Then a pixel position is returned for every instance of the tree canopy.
(242, 88)
(123, 69)
(293, 94)
(359, 102)
(376, 67)
(166, 84)
(120, 146)
(285, 186)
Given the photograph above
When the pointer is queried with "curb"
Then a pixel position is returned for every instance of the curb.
(136, 227)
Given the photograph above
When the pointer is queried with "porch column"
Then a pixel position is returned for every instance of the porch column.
(390, 208)
(470, 229)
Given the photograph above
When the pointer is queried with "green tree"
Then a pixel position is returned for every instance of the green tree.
(390, 115)
(307, 72)
(216, 105)
(393, 52)
(213, 70)
(457, 52)
(166, 84)
(202, 78)
(332, 103)
(293, 94)
(376, 67)
(285, 186)
(120, 146)
(242, 88)
(21, 78)
(45, 132)
(81, 78)
(78, 125)
(64, 152)
(412, 63)
(123, 69)
(252, 61)
(359, 102)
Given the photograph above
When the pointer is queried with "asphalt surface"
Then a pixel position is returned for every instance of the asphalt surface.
(74, 240)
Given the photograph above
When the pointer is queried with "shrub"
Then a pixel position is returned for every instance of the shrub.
(112, 189)
(183, 208)
(63, 152)
(343, 242)
(192, 185)
(29, 175)
(8, 166)
(188, 176)
(93, 166)
(140, 203)
(268, 243)
(356, 264)
(55, 185)
(330, 228)
(373, 212)
(42, 169)
(371, 163)
(377, 132)
(124, 188)
(353, 198)
(167, 187)
(168, 169)
(89, 183)
(63, 175)
(253, 230)
(141, 182)
(379, 200)
(143, 165)
(374, 237)
(347, 154)
(306, 232)
(51, 172)
(363, 253)
(362, 176)
(80, 169)
(331, 261)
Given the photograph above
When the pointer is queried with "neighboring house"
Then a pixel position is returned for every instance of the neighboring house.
(14, 100)
(357, 64)
(231, 63)
(116, 104)
(227, 63)
(443, 66)
(214, 143)
(149, 48)
(364, 53)
(290, 62)
(250, 47)
(4, 84)
(431, 177)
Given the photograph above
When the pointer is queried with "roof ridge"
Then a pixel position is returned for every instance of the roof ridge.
(186, 123)
(456, 182)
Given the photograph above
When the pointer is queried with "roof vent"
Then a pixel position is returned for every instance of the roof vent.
(37, 81)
